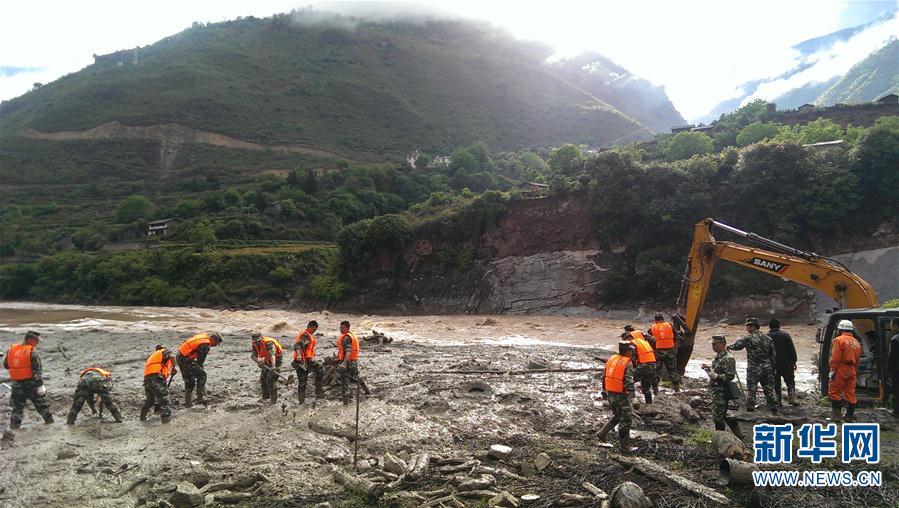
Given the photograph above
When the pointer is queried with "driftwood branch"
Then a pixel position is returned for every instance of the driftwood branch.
(664, 474)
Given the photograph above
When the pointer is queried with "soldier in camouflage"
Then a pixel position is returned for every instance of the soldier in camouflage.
(24, 365)
(618, 386)
(158, 373)
(94, 382)
(760, 360)
(722, 371)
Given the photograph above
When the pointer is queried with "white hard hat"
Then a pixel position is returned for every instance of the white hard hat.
(845, 324)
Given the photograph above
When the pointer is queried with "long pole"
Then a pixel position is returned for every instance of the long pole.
(356, 440)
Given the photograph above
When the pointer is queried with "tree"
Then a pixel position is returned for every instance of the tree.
(684, 145)
(422, 161)
(820, 130)
(202, 233)
(134, 208)
(566, 160)
(755, 132)
(874, 162)
(310, 183)
(188, 208)
(463, 161)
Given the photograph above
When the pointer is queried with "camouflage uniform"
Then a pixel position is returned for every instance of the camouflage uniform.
(157, 392)
(93, 383)
(621, 411)
(725, 367)
(760, 361)
(645, 373)
(192, 371)
(666, 359)
(304, 368)
(25, 390)
(268, 377)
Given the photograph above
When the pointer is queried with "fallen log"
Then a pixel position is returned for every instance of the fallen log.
(315, 426)
(664, 474)
(729, 446)
(356, 484)
(242, 483)
(495, 471)
(596, 491)
(514, 372)
(419, 466)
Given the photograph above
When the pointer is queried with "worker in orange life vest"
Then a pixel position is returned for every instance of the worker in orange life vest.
(267, 353)
(644, 360)
(93, 381)
(845, 356)
(618, 387)
(25, 370)
(665, 350)
(348, 361)
(191, 357)
(158, 371)
(304, 361)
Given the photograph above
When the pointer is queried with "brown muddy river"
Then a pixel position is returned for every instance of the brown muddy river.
(445, 330)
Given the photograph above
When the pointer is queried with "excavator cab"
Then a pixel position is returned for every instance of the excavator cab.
(872, 330)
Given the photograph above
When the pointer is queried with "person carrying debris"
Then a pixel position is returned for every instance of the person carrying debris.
(93, 381)
(760, 361)
(191, 357)
(618, 387)
(24, 366)
(159, 368)
(304, 361)
(645, 361)
(665, 350)
(785, 352)
(267, 354)
(721, 373)
(845, 355)
(348, 361)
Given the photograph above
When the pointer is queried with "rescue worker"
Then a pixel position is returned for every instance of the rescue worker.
(845, 354)
(348, 361)
(760, 360)
(722, 371)
(645, 361)
(267, 354)
(93, 381)
(893, 364)
(785, 352)
(159, 368)
(304, 361)
(665, 350)
(618, 387)
(24, 366)
(191, 357)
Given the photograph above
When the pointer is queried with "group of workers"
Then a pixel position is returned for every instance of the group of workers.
(25, 370)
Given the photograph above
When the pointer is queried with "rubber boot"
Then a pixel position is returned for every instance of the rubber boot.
(117, 416)
(655, 389)
(624, 440)
(648, 397)
(143, 413)
(274, 394)
(188, 398)
(791, 395)
(850, 413)
(71, 419)
(165, 419)
(604, 432)
(364, 387)
(201, 395)
(301, 396)
(836, 411)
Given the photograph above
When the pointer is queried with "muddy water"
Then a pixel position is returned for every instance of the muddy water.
(446, 330)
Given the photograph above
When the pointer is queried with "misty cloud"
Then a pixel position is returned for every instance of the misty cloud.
(12, 71)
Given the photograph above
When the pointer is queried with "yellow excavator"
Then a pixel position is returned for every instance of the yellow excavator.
(854, 295)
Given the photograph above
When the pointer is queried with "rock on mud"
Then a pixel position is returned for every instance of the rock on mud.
(500, 452)
(629, 495)
(186, 495)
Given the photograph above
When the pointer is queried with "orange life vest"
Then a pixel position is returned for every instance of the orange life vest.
(98, 370)
(309, 352)
(155, 364)
(262, 349)
(637, 334)
(644, 350)
(19, 360)
(664, 334)
(188, 348)
(615, 368)
(354, 346)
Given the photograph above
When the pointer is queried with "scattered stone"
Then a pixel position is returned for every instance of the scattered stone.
(541, 461)
(335, 455)
(528, 469)
(573, 500)
(66, 454)
(434, 406)
(228, 497)
(696, 402)
(503, 499)
(500, 452)
(8, 440)
(322, 505)
(484, 482)
(528, 499)
(688, 413)
(186, 495)
(629, 495)
(394, 464)
(477, 494)
(538, 363)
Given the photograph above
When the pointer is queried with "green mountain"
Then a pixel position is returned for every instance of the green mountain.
(873, 77)
(363, 90)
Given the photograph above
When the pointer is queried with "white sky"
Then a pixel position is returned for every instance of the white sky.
(699, 50)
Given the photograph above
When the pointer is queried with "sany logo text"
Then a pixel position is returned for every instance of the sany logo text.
(767, 264)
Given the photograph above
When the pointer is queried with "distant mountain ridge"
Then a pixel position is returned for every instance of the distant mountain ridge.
(370, 91)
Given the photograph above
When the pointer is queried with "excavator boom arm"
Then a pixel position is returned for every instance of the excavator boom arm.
(808, 269)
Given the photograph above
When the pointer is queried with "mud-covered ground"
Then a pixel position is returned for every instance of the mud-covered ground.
(251, 453)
